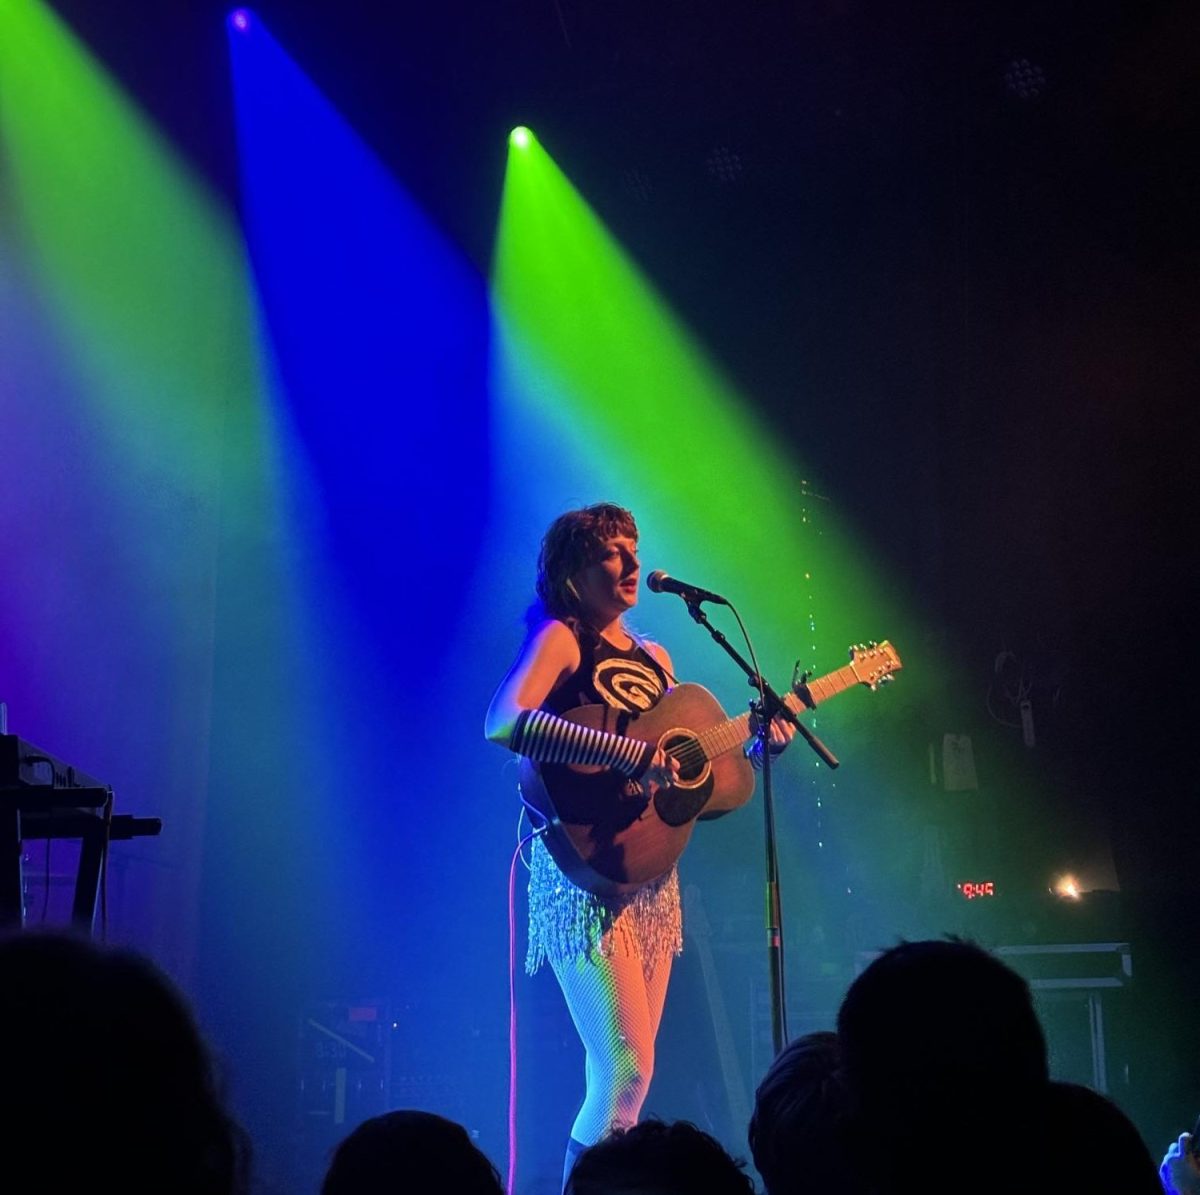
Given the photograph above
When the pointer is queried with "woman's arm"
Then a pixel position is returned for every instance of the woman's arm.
(514, 719)
(547, 658)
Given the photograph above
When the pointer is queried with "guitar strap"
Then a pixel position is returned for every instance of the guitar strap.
(669, 679)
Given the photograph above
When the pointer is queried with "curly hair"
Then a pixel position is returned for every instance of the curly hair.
(658, 1158)
(572, 542)
(800, 1132)
(410, 1150)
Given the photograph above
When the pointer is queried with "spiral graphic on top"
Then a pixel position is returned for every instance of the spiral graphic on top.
(627, 684)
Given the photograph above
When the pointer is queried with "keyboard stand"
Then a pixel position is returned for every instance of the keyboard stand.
(83, 813)
(42, 796)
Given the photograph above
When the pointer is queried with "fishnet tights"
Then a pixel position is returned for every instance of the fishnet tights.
(616, 1011)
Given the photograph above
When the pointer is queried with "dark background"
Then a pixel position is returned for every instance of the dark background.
(982, 300)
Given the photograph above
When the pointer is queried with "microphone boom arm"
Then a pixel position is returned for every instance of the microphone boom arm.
(773, 704)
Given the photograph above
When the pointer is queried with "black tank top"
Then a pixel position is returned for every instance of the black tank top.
(627, 678)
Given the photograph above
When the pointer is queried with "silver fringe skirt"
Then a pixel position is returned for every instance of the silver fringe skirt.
(567, 923)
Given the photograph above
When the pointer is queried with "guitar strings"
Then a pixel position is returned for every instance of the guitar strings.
(694, 751)
(691, 752)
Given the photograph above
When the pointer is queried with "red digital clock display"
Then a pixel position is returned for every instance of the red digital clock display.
(972, 891)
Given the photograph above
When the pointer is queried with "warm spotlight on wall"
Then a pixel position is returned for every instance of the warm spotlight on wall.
(1067, 888)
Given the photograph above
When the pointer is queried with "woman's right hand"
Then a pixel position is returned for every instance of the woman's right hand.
(662, 772)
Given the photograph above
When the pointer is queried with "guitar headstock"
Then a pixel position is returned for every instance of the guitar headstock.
(875, 663)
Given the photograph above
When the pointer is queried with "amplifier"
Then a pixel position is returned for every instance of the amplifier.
(1073, 986)
(343, 1075)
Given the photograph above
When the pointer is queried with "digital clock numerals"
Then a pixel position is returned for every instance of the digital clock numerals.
(974, 890)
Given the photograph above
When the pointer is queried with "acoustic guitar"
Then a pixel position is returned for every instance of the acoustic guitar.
(609, 835)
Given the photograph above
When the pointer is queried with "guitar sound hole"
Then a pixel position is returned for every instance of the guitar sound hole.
(689, 754)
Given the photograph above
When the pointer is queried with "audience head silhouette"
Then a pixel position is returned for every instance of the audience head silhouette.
(938, 1039)
(1090, 1145)
(654, 1158)
(938, 1015)
(109, 1084)
(800, 1134)
(936, 1083)
(406, 1151)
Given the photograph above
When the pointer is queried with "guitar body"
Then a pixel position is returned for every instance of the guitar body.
(606, 835)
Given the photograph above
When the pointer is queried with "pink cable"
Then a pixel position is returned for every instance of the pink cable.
(512, 1013)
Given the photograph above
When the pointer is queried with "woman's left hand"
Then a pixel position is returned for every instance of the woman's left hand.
(782, 733)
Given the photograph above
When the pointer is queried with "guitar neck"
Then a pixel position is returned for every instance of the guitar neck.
(725, 736)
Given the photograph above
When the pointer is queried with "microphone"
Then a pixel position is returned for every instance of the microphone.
(661, 582)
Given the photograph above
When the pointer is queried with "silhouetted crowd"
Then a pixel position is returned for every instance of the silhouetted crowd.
(935, 1081)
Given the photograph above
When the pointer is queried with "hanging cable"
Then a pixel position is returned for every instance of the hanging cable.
(512, 999)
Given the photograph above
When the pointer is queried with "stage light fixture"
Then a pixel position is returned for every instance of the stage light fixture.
(724, 164)
(240, 19)
(637, 183)
(1024, 79)
(520, 137)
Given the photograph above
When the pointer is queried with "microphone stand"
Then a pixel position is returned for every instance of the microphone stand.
(768, 705)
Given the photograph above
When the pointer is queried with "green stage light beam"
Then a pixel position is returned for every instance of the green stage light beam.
(592, 363)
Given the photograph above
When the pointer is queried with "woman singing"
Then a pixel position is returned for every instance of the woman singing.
(611, 955)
